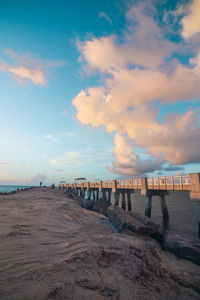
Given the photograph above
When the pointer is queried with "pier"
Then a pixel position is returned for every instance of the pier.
(149, 187)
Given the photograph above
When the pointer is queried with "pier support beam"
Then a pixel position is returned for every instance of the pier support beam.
(164, 207)
(109, 196)
(123, 201)
(116, 198)
(93, 195)
(129, 201)
(148, 206)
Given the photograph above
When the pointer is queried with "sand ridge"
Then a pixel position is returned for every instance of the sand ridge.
(51, 248)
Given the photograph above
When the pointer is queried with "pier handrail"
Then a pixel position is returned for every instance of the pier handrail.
(190, 182)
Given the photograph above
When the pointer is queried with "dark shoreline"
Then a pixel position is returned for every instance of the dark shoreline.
(16, 191)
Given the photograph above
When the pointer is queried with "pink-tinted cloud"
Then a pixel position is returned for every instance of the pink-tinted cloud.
(26, 68)
(144, 45)
(128, 162)
(191, 22)
(140, 74)
(23, 73)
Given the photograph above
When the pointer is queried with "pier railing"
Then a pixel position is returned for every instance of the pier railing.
(188, 182)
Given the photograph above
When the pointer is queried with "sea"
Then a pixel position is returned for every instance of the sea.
(10, 188)
(184, 212)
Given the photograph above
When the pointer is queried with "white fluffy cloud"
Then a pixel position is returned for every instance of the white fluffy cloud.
(142, 78)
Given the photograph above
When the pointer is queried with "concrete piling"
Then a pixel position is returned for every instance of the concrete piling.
(148, 186)
(116, 198)
(123, 201)
(164, 207)
(148, 206)
(93, 195)
(109, 196)
(129, 201)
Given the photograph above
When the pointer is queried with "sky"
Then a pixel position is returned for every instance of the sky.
(98, 89)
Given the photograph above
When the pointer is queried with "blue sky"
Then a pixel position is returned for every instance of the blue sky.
(130, 60)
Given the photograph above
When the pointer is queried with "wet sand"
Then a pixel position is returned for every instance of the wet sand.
(51, 248)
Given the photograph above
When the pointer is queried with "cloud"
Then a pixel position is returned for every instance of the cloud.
(64, 112)
(71, 158)
(69, 133)
(23, 73)
(128, 162)
(60, 171)
(142, 76)
(105, 16)
(26, 68)
(51, 138)
(144, 45)
(191, 22)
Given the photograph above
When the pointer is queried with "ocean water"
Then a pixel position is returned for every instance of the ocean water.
(183, 211)
(10, 188)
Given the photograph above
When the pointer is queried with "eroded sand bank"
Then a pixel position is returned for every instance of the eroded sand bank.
(51, 248)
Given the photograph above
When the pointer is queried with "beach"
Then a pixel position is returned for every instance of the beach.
(51, 248)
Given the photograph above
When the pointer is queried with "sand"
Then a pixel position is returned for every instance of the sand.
(51, 248)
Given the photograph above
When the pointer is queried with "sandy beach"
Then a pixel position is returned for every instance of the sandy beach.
(51, 248)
